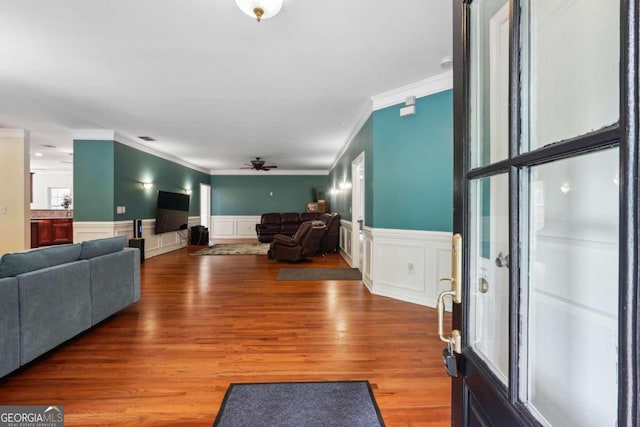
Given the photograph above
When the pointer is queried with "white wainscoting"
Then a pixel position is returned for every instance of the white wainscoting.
(234, 227)
(345, 240)
(402, 264)
(367, 257)
(407, 264)
(155, 244)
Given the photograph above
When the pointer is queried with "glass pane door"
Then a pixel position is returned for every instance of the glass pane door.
(489, 290)
(489, 81)
(571, 306)
(573, 68)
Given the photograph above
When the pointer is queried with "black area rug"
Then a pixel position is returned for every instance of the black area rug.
(308, 404)
(235, 249)
(319, 274)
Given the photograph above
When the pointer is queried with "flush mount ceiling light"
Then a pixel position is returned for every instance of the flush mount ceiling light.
(260, 9)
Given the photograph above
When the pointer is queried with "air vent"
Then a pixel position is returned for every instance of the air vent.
(147, 138)
(48, 146)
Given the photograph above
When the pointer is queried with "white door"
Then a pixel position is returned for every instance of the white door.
(205, 206)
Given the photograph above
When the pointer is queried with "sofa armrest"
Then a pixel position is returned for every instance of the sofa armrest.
(281, 239)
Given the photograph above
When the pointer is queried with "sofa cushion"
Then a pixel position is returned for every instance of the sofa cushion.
(55, 305)
(94, 248)
(115, 281)
(13, 264)
(9, 325)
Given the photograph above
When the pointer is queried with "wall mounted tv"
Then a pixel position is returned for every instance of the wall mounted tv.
(172, 212)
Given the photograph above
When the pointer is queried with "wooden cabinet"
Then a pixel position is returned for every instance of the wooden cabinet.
(54, 231)
(318, 207)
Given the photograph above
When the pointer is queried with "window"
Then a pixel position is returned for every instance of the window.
(57, 197)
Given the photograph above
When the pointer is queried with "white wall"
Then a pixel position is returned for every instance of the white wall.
(43, 180)
(14, 196)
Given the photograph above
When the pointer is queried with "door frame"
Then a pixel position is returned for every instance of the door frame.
(625, 135)
(205, 205)
(357, 208)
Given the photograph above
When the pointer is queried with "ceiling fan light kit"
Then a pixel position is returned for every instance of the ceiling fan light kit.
(259, 165)
(260, 9)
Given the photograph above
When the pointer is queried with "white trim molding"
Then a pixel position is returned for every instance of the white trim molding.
(419, 89)
(271, 172)
(155, 244)
(13, 133)
(234, 226)
(403, 264)
(362, 119)
(130, 141)
(345, 240)
(367, 257)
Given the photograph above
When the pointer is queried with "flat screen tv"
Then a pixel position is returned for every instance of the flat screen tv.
(172, 212)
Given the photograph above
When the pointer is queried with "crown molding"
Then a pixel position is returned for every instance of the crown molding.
(364, 116)
(271, 172)
(93, 134)
(13, 133)
(133, 142)
(435, 84)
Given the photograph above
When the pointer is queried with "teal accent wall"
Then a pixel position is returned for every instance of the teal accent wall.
(258, 194)
(107, 174)
(408, 167)
(413, 165)
(93, 177)
(133, 167)
(340, 199)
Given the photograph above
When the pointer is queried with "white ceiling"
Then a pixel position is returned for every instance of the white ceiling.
(212, 86)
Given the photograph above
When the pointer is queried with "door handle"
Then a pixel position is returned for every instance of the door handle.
(455, 340)
(502, 260)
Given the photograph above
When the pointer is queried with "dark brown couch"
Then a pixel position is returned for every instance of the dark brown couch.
(287, 224)
(305, 242)
(282, 223)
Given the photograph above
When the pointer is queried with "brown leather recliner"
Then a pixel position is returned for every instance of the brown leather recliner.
(303, 244)
(331, 239)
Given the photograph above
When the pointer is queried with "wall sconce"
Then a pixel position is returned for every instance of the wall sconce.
(187, 191)
(565, 187)
(146, 185)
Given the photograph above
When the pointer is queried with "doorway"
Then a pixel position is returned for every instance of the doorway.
(357, 212)
(205, 207)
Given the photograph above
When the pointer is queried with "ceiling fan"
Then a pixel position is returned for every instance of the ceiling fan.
(259, 165)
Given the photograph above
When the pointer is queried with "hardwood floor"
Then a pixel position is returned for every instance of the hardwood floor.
(206, 321)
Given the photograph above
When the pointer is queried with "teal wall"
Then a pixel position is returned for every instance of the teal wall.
(340, 200)
(408, 167)
(133, 166)
(93, 177)
(258, 194)
(107, 174)
(413, 165)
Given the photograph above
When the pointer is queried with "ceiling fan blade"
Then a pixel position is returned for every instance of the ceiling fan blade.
(271, 167)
